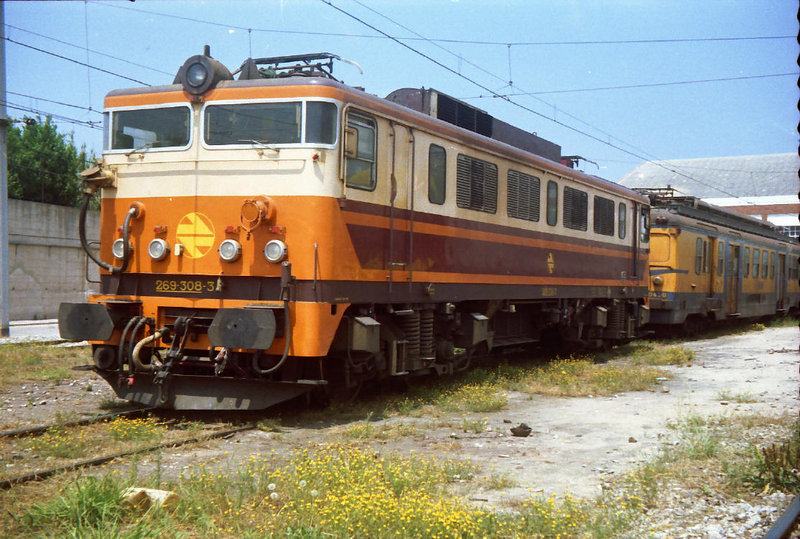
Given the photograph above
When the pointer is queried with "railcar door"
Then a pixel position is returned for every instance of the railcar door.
(401, 206)
(733, 281)
(780, 282)
(717, 274)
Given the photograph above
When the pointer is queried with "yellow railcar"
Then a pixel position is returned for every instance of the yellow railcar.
(709, 264)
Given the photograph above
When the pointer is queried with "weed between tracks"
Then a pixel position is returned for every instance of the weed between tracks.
(21, 363)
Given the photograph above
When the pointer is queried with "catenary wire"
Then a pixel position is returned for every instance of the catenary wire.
(443, 40)
(74, 61)
(85, 123)
(519, 105)
(649, 85)
(90, 109)
(509, 82)
(645, 153)
(90, 50)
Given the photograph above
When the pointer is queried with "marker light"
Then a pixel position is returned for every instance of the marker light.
(117, 248)
(275, 251)
(229, 250)
(158, 249)
(658, 280)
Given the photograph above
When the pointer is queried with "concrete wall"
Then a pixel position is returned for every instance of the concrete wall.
(46, 262)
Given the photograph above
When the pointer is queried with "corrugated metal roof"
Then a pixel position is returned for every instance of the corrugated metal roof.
(716, 177)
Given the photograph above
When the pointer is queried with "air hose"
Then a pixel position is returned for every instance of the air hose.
(133, 212)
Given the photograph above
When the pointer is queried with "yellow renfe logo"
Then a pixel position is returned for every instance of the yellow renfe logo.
(196, 233)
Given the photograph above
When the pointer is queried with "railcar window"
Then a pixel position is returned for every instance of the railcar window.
(361, 168)
(437, 174)
(706, 256)
(720, 257)
(698, 256)
(772, 265)
(576, 209)
(523, 196)
(747, 261)
(165, 127)
(552, 203)
(644, 223)
(243, 123)
(756, 258)
(764, 264)
(603, 216)
(623, 224)
(476, 184)
(320, 122)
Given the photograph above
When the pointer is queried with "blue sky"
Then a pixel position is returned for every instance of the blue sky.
(554, 84)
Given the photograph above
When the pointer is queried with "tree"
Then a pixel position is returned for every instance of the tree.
(43, 164)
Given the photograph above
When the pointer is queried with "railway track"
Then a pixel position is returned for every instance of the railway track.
(33, 431)
(39, 475)
(787, 523)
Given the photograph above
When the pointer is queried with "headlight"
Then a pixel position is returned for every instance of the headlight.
(158, 249)
(658, 280)
(275, 251)
(229, 250)
(196, 75)
(117, 248)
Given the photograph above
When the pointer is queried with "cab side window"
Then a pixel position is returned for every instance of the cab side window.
(756, 259)
(437, 174)
(360, 152)
(552, 203)
(747, 261)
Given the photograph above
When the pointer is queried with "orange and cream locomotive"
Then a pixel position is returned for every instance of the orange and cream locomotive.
(278, 232)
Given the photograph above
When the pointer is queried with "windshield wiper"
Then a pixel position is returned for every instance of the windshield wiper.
(261, 144)
(140, 149)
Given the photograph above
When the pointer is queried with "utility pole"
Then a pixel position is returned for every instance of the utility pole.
(4, 265)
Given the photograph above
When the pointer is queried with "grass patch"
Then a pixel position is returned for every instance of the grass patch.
(656, 354)
(575, 377)
(115, 405)
(475, 426)
(742, 398)
(499, 481)
(269, 425)
(776, 466)
(41, 363)
(332, 490)
(475, 397)
(367, 430)
(60, 442)
(135, 430)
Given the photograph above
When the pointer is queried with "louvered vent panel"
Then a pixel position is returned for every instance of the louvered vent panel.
(476, 184)
(523, 196)
(604, 216)
(576, 209)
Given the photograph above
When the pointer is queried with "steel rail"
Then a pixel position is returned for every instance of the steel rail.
(38, 475)
(787, 522)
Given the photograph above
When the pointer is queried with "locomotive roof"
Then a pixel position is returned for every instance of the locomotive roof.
(238, 89)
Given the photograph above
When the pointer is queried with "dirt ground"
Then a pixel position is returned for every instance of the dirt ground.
(575, 445)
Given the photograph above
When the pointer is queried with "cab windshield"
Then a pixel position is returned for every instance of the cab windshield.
(270, 123)
(166, 127)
